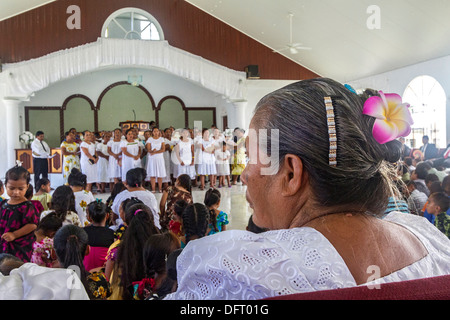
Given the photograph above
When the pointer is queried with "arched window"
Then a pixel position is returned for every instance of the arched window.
(428, 105)
(132, 23)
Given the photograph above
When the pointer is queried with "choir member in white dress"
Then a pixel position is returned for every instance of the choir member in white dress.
(156, 167)
(169, 144)
(184, 152)
(131, 153)
(115, 156)
(103, 162)
(207, 163)
(223, 164)
(88, 160)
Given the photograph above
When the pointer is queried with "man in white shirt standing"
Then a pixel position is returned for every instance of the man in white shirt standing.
(41, 152)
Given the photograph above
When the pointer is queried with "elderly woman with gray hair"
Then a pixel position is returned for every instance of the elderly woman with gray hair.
(322, 205)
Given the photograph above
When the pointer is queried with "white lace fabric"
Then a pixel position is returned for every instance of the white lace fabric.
(242, 265)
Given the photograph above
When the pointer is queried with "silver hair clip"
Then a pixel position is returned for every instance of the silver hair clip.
(332, 155)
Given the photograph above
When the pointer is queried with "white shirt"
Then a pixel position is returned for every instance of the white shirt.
(145, 196)
(242, 265)
(38, 150)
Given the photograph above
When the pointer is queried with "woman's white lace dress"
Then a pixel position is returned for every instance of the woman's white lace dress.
(242, 265)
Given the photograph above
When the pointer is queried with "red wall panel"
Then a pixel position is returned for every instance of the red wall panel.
(43, 30)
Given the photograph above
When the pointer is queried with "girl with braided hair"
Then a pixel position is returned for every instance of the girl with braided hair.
(195, 221)
(218, 219)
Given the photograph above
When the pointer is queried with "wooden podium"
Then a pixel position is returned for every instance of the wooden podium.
(54, 164)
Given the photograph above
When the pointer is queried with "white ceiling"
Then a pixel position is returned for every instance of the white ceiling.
(343, 47)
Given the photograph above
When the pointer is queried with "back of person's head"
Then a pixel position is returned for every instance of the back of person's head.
(440, 199)
(431, 177)
(435, 187)
(410, 184)
(422, 169)
(212, 197)
(446, 184)
(184, 181)
(97, 211)
(135, 177)
(63, 200)
(17, 173)
(362, 178)
(77, 178)
(195, 221)
(9, 262)
(156, 250)
(50, 224)
(40, 183)
(408, 161)
(141, 226)
(179, 207)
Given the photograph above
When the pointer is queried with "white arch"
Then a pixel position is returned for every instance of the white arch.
(428, 99)
(133, 10)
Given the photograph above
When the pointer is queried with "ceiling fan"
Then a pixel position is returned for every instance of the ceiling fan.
(292, 47)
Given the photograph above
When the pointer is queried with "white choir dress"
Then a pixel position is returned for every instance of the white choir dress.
(223, 166)
(87, 168)
(186, 157)
(156, 166)
(242, 265)
(167, 160)
(207, 163)
(128, 162)
(114, 169)
(102, 164)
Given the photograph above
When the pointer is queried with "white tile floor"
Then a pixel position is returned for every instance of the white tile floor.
(233, 202)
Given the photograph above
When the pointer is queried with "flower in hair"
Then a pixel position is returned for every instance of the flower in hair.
(393, 118)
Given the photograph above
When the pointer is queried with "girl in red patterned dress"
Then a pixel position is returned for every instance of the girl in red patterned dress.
(18, 216)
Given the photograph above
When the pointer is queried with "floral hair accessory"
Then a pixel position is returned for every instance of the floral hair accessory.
(393, 118)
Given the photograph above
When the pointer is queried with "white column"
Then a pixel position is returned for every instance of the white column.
(239, 114)
(10, 134)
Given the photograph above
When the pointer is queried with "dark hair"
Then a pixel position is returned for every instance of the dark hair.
(441, 199)
(139, 219)
(63, 201)
(70, 243)
(118, 188)
(212, 197)
(179, 207)
(41, 182)
(77, 178)
(431, 177)
(252, 227)
(422, 169)
(29, 193)
(436, 187)
(9, 262)
(362, 179)
(135, 177)
(408, 161)
(185, 181)
(39, 132)
(97, 211)
(156, 250)
(17, 173)
(50, 223)
(195, 220)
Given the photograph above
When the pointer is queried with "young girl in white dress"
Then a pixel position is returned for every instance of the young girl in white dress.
(88, 161)
(223, 164)
(115, 155)
(184, 152)
(131, 153)
(102, 163)
(156, 167)
(207, 163)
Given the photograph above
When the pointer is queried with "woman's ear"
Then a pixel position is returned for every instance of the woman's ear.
(292, 175)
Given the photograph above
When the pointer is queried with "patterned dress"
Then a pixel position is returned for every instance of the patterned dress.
(70, 161)
(173, 195)
(12, 218)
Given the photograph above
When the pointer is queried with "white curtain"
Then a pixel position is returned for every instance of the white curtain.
(24, 78)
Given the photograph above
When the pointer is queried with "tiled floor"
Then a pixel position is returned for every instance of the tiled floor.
(233, 202)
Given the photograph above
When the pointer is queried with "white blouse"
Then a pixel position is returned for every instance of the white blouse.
(242, 265)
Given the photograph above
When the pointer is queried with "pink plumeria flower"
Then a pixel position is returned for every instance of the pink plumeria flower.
(393, 118)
